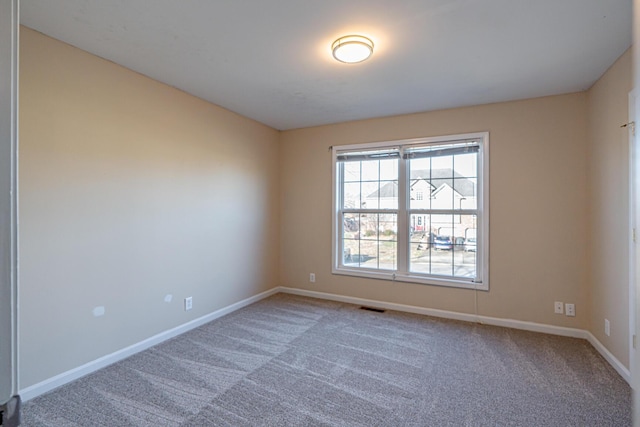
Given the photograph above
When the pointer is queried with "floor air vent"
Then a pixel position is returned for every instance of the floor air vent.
(377, 310)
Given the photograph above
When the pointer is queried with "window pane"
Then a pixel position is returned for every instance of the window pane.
(469, 263)
(435, 184)
(389, 170)
(388, 226)
(442, 261)
(443, 224)
(388, 195)
(421, 243)
(388, 245)
(465, 260)
(459, 226)
(350, 226)
(370, 170)
(443, 163)
(443, 245)
(369, 227)
(369, 241)
(420, 167)
(388, 251)
(351, 249)
(467, 228)
(420, 258)
(380, 195)
(362, 188)
(443, 196)
(466, 193)
(420, 228)
(370, 195)
(420, 192)
(465, 181)
(420, 187)
(419, 184)
(466, 165)
(351, 171)
(465, 264)
(367, 255)
(351, 198)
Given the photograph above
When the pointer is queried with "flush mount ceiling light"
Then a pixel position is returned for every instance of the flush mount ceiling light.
(352, 49)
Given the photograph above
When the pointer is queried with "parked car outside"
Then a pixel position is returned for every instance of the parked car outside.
(443, 243)
(470, 244)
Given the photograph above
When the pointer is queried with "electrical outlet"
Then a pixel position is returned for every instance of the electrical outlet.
(570, 309)
(312, 277)
(558, 307)
(607, 327)
(188, 303)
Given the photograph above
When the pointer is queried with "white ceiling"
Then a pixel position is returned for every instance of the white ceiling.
(271, 60)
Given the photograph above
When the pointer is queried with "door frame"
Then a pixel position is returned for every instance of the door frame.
(634, 253)
(9, 33)
(634, 210)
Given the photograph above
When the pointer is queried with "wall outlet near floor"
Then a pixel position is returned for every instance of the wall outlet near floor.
(312, 277)
(607, 327)
(570, 309)
(558, 307)
(188, 303)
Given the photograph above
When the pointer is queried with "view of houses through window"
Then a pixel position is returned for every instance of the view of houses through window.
(370, 236)
(442, 239)
(440, 209)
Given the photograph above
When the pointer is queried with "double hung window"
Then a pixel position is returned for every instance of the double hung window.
(413, 210)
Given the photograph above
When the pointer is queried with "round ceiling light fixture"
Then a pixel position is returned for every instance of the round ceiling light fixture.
(352, 49)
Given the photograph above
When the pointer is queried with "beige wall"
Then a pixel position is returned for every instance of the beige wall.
(538, 201)
(608, 172)
(131, 190)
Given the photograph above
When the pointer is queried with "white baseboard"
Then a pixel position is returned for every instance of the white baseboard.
(381, 304)
(613, 361)
(73, 374)
(45, 386)
(494, 321)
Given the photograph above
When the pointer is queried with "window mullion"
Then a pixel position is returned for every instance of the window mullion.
(340, 216)
(482, 239)
(403, 217)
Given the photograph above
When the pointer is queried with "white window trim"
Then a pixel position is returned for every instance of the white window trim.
(482, 243)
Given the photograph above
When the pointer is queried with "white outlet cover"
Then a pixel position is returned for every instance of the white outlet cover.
(558, 307)
(570, 310)
(98, 311)
(168, 298)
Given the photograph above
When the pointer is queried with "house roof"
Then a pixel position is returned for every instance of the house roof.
(436, 178)
(466, 187)
(389, 190)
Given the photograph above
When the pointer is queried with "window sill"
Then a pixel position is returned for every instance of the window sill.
(410, 278)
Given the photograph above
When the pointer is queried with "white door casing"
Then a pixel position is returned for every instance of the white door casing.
(634, 253)
(9, 23)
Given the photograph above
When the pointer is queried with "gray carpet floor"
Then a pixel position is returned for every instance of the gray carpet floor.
(295, 361)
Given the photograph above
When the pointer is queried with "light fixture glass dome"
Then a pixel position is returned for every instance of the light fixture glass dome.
(352, 49)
